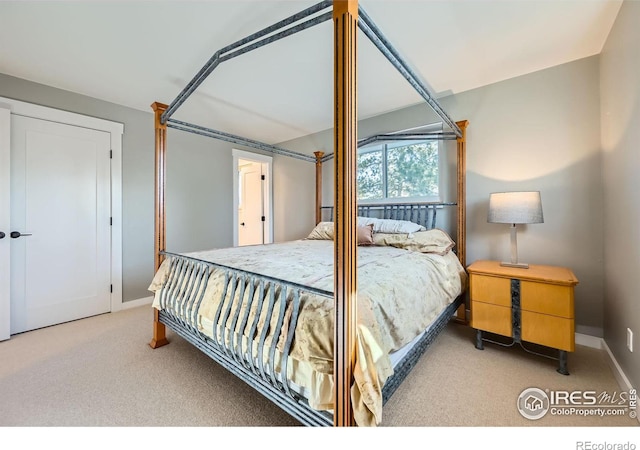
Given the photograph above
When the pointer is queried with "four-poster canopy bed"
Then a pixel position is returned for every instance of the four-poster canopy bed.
(296, 335)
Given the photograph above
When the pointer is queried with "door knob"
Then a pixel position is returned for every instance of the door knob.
(242, 224)
(2, 235)
(17, 234)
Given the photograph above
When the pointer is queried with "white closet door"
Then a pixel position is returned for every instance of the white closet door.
(60, 196)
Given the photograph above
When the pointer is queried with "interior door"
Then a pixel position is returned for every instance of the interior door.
(251, 208)
(60, 223)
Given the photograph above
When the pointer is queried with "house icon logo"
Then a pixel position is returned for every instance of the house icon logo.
(533, 403)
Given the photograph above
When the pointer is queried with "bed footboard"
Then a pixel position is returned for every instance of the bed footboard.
(237, 340)
(293, 405)
(250, 329)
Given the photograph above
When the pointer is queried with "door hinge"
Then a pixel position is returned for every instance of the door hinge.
(110, 154)
(111, 288)
(110, 220)
(263, 218)
(262, 177)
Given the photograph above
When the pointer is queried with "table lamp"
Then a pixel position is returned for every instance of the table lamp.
(514, 208)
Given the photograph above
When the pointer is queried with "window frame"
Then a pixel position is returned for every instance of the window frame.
(430, 128)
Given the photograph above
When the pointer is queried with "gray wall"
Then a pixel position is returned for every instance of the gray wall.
(294, 193)
(540, 132)
(535, 132)
(199, 184)
(199, 196)
(620, 96)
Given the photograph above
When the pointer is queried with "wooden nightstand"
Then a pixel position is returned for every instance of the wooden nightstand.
(532, 305)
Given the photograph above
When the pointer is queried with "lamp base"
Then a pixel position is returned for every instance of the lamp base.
(518, 265)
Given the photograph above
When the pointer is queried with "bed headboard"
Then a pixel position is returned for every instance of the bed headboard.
(422, 213)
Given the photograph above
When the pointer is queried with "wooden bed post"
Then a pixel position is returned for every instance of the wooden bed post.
(318, 156)
(159, 331)
(345, 16)
(461, 240)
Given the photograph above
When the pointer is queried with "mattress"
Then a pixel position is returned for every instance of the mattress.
(400, 293)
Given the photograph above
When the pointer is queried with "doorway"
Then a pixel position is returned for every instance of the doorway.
(252, 199)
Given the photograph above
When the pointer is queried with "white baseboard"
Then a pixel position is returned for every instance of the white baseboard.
(621, 378)
(618, 373)
(600, 344)
(135, 303)
(589, 341)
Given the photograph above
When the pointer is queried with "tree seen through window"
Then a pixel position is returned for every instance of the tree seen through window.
(398, 170)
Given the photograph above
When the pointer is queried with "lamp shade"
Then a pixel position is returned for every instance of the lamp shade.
(515, 207)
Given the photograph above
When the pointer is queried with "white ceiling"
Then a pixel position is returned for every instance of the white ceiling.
(136, 52)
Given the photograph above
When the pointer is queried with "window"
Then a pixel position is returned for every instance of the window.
(400, 169)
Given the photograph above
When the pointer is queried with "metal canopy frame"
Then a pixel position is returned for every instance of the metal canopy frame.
(220, 56)
(348, 17)
(289, 26)
(386, 137)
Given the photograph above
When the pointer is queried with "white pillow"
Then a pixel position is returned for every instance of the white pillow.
(390, 225)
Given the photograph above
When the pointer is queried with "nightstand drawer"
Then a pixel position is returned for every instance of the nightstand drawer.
(552, 299)
(552, 331)
(492, 290)
(491, 318)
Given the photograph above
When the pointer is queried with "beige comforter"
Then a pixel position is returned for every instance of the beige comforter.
(400, 293)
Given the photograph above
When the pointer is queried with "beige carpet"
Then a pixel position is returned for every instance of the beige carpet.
(101, 372)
